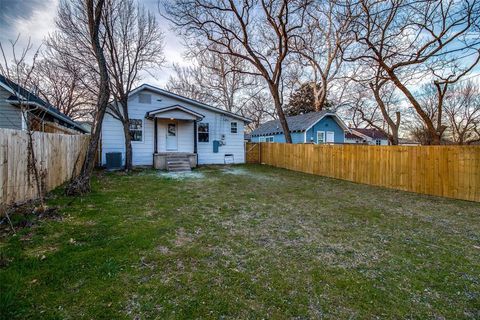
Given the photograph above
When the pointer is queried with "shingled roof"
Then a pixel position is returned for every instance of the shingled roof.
(33, 98)
(372, 133)
(298, 123)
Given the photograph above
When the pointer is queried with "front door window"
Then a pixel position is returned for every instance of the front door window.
(172, 137)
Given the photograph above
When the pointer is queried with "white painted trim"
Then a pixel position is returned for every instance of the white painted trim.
(186, 110)
(268, 137)
(143, 131)
(334, 115)
(324, 137)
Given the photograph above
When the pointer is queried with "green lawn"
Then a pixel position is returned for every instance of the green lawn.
(244, 242)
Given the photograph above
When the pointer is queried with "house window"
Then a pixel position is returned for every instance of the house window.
(330, 137)
(269, 139)
(378, 142)
(144, 98)
(261, 139)
(233, 127)
(203, 135)
(136, 129)
(320, 137)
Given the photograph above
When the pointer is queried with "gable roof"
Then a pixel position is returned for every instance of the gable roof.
(299, 123)
(188, 100)
(32, 99)
(152, 113)
(368, 132)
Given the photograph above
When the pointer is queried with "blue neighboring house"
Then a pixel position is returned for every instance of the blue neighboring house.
(313, 127)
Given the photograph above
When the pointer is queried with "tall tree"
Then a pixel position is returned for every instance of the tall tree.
(305, 100)
(133, 43)
(414, 40)
(319, 48)
(258, 32)
(92, 10)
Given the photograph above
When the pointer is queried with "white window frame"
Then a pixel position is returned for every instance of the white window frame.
(324, 137)
(143, 130)
(236, 127)
(269, 139)
(378, 142)
(261, 139)
(198, 132)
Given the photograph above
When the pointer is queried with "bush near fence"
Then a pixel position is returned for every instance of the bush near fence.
(58, 155)
(447, 171)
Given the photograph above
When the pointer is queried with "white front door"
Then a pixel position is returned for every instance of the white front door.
(330, 137)
(172, 137)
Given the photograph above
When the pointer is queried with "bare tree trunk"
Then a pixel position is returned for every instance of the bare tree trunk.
(281, 114)
(81, 184)
(128, 138)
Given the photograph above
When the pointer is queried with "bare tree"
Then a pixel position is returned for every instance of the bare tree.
(133, 43)
(260, 33)
(19, 73)
(93, 10)
(62, 84)
(214, 79)
(320, 46)
(416, 40)
(462, 107)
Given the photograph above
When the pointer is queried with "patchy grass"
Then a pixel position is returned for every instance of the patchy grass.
(245, 242)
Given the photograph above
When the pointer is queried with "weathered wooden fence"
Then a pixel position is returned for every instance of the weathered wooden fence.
(58, 156)
(448, 171)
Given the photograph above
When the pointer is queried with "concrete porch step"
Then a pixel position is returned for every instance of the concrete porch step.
(178, 163)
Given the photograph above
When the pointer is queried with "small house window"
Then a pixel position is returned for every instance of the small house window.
(378, 142)
(261, 139)
(269, 139)
(136, 130)
(233, 127)
(144, 98)
(203, 135)
(320, 137)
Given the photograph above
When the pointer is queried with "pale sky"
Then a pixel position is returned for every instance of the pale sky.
(35, 19)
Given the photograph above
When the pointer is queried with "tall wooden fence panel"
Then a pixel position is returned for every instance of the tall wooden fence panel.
(59, 157)
(447, 171)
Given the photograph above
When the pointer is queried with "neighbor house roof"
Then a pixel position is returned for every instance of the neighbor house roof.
(297, 123)
(30, 98)
(185, 99)
(371, 133)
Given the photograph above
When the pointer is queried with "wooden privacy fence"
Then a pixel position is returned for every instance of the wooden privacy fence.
(447, 171)
(58, 156)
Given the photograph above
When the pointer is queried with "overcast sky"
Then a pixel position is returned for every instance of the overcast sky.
(35, 19)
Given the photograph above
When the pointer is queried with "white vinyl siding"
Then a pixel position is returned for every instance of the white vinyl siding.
(219, 126)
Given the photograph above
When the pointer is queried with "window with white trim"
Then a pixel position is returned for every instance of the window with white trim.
(269, 139)
(203, 132)
(261, 139)
(378, 142)
(320, 137)
(233, 127)
(136, 129)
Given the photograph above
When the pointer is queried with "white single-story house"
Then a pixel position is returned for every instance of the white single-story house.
(164, 125)
(366, 136)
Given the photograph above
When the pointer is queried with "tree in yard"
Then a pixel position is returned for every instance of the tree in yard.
(416, 41)
(213, 78)
(462, 109)
(88, 15)
(19, 73)
(62, 84)
(257, 32)
(133, 43)
(304, 100)
(319, 48)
